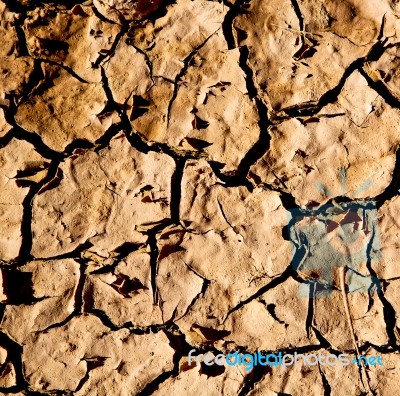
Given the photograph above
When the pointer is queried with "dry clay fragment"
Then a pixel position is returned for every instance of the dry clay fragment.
(391, 27)
(384, 378)
(171, 39)
(178, 285)
(345, 379)
(385, 71)
(121, 11)
(201, 101)
(294, 63)
(302, 379)
(233, 241)
(212, 109)
(209, 107)
(95, 261)
(3, 355)
(275, 321)
(14, 394)
(125, 294)
(392, 294)
(8, 33)
(53, 286)
(7, 370)
(387, 267)
(297, 380)
(15, 72)
(256, 219)
(102, 198)
(8, 376)
(353, 20)
(63, 109)
(115, 362)
(143, 358)
(75, 38)
(368, 321)
(17, 155)
(128, 73)
(5, 127)
(306, 154)
(149, 112)
(204, 380)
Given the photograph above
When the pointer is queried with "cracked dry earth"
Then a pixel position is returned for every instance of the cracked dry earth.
(151, 153)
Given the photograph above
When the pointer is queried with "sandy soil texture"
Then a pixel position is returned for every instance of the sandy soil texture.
(186, 177)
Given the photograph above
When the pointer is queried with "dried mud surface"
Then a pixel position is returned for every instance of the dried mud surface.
(151, 155)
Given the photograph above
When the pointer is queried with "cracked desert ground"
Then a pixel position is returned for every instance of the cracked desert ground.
(199, 177)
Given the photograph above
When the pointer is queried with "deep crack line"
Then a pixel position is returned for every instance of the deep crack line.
(176, 189)
(26, 222)
(239, 177)
(147, 60)
(227, 24)
(380, 88)
(206, 284)
(273, 283)
(154, 253)
(181, 74)
(14, 350)
(314, 107)
(68, 69)
(108, 54)
(299, 14)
